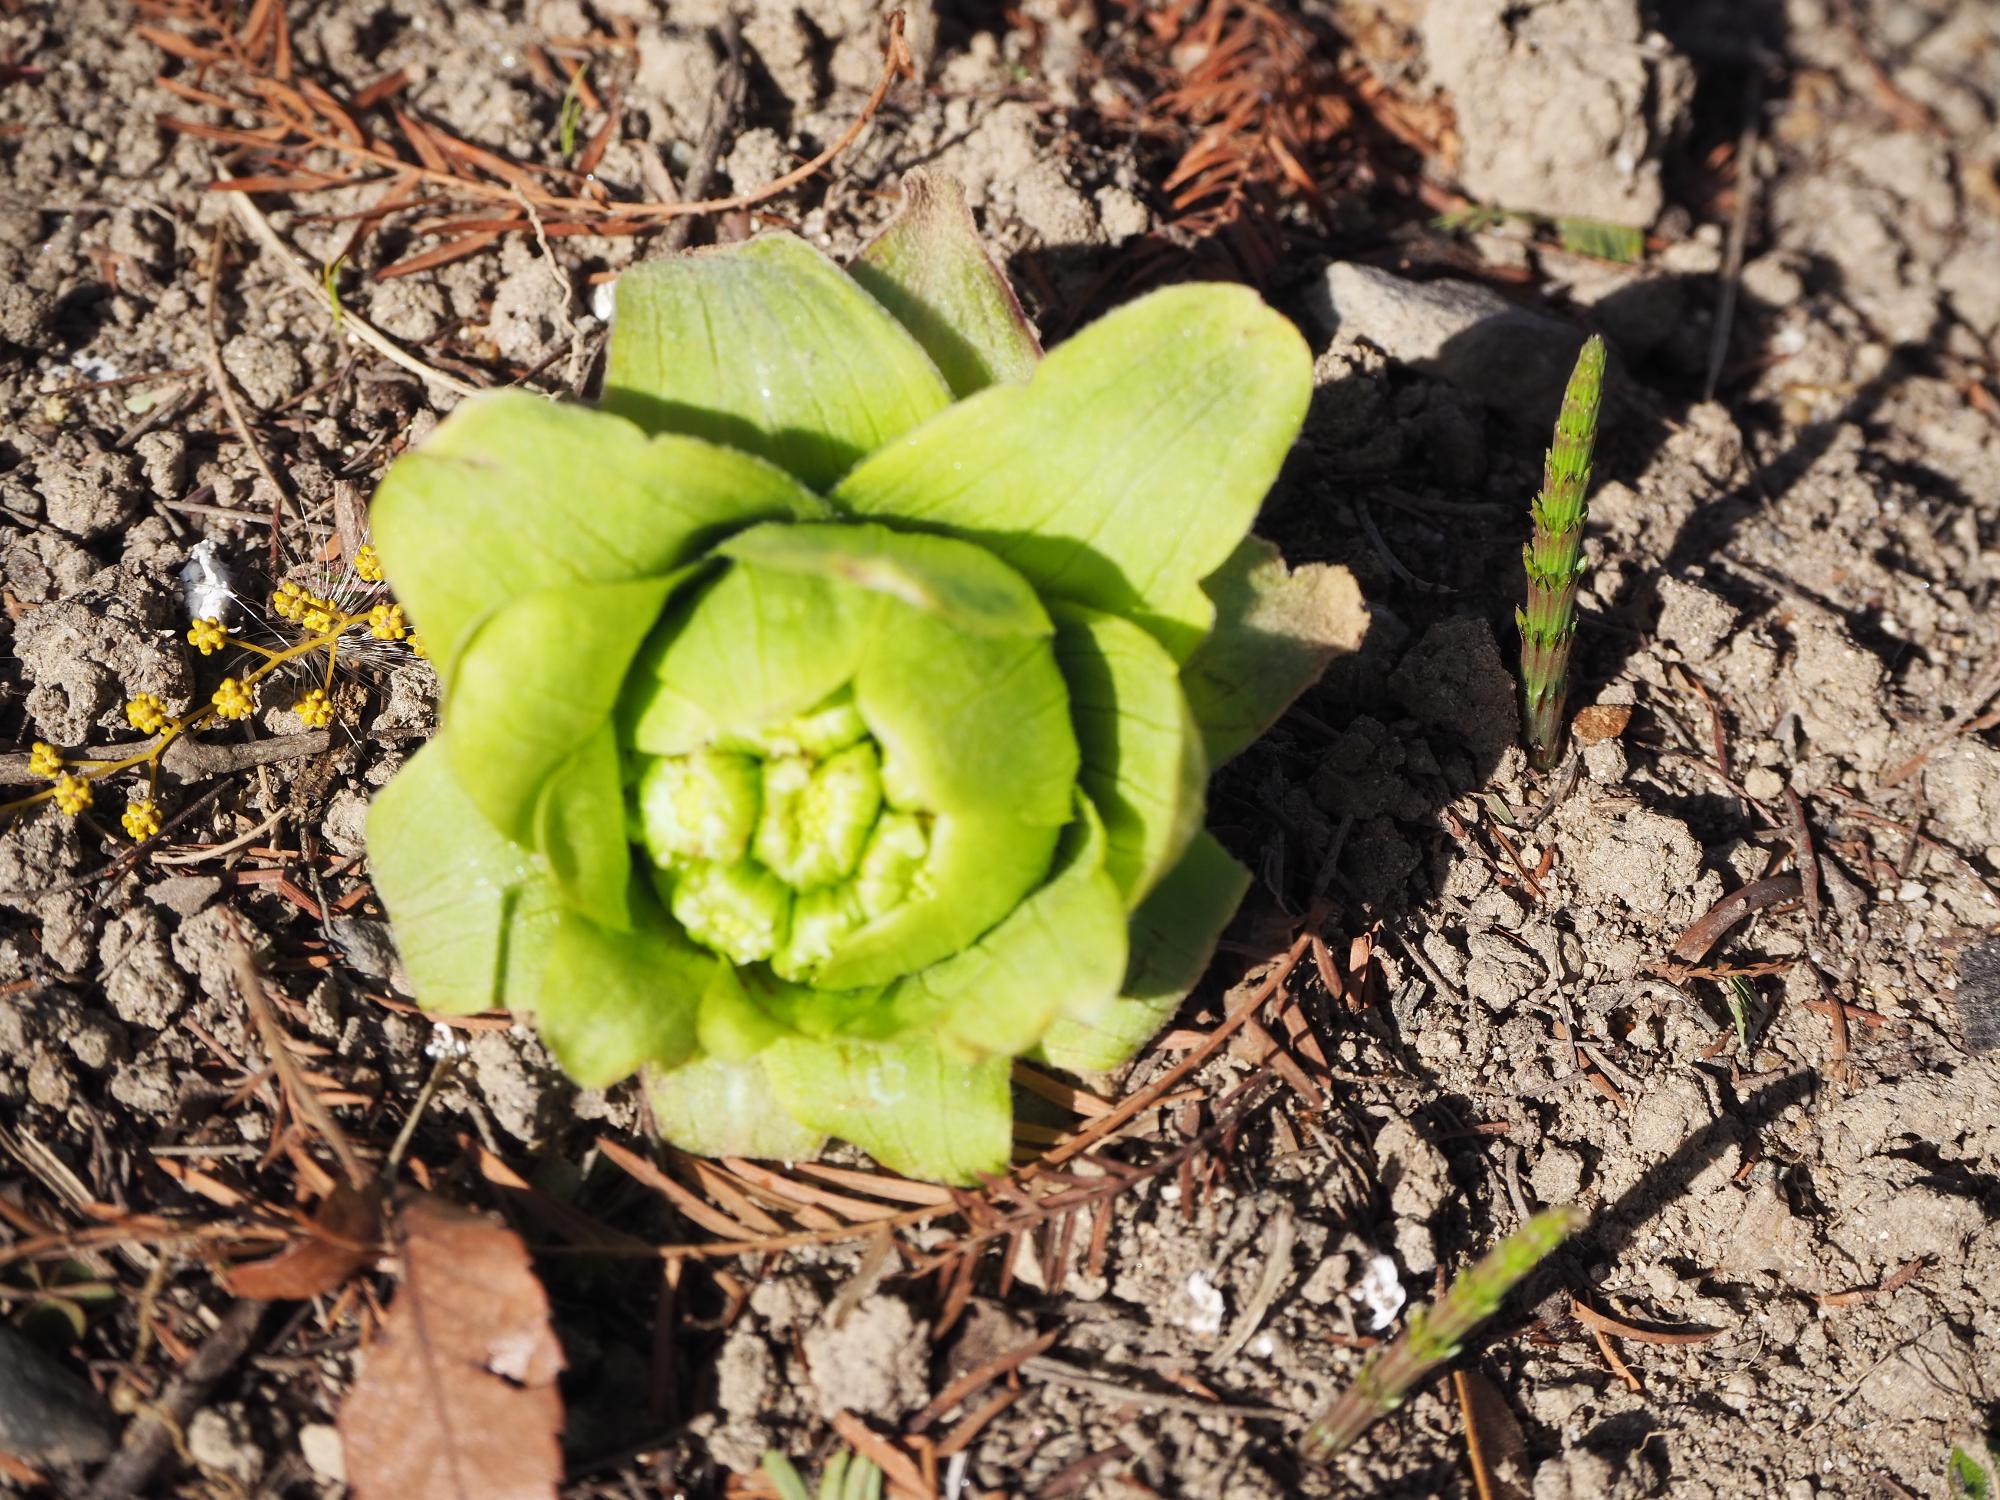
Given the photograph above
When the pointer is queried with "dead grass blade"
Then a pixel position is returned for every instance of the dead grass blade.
(456, 1398)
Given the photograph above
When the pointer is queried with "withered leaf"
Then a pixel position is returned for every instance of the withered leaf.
(345, 1233)
(456, 1398)
(1600, 722)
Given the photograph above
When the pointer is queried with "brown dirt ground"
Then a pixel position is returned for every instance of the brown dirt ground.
(1792, 586)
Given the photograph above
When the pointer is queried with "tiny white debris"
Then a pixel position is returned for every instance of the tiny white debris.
(92, 368)
(1381, 1292)
(1206, 1320)
(1263, 1346)
(445, 1042)
(206, 586)
(604, 300)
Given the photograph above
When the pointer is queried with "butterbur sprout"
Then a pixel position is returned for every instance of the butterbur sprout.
(827, 716)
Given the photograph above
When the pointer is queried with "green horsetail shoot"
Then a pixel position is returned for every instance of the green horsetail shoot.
(1435, 1334)
(1555, 559)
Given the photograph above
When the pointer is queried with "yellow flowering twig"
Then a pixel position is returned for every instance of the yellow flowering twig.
(323, 624)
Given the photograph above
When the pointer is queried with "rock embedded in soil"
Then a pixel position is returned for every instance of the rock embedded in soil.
(1512, 358)
(49, 1417)
(1565, 107)
(875, 1360)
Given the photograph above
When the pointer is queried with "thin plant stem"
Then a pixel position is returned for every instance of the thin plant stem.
(1435, 1334)
(1554, 559)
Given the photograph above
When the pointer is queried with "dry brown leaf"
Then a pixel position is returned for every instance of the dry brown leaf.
(456, 1398)
(344, 1236)
(1600, 722)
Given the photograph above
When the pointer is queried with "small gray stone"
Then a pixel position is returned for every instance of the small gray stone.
(184, 895)
(319, 1444)
(1515, 360)
(48, 1416)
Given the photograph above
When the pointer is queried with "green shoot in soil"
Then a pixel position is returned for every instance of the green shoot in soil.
(1970, 1479)
(847, 1476)
(1435, 1334)
(571, 116)
(1555, 559)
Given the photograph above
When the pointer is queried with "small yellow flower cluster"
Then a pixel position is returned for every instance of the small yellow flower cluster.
(385, 622)
(45, 760)
(207, 636)
(232, 699)
(315, 709)
(306, 610)
(141, 820)
(146, 713)
(72, 794)
(367, 564)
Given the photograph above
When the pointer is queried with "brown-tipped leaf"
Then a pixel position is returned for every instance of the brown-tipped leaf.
(931, 271)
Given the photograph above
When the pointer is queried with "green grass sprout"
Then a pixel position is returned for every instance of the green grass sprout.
(570, 119)
(1619, 243)
(1969, 1478)
(847, 1476)
(1554, 559)
(1435, 1334)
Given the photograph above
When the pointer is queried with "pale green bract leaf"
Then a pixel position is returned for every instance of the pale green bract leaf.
(746, 650)
(611, 1001)
(1173, 937)
(717, 1108)
(1059, 954)
(474, 912)
(514, 493)
(908, 1104)
(1126, 470)
(770, 348)
(580, 831)
(540, 674)
(1143, 765)
(930, 269)
(1276, 628)
(969, 588)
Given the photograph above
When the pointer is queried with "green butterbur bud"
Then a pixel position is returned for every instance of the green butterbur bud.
(698, 807)
(893, 865)
(834, 725)
(816, 818)
(820, 919)
(828, 719)
(739, 910)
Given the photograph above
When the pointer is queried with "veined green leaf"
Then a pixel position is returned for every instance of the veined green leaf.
(474, 912)
(1276, 628)
(611, 1001)
(930, 269)
(513, 494)
(744, 651)
(1142, 756)
(580, 831)
(538, 677)
(771, 348)
(1173, 937)
(1059, 954)
(908, 1104)
(1126, 470)
(717, 1108)
(967, 586)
